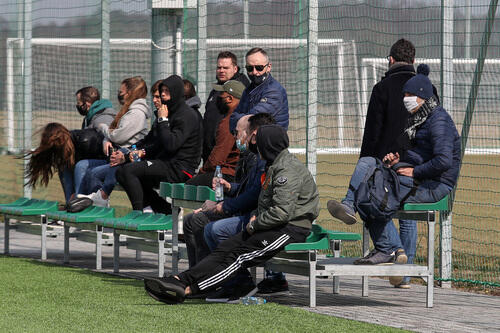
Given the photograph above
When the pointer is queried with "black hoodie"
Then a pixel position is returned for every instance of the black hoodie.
(178, 141)
(271, 140)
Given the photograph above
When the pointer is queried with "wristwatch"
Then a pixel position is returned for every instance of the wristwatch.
(162, 119)
(250, 226)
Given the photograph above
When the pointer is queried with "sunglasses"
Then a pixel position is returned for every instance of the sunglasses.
(259, 68)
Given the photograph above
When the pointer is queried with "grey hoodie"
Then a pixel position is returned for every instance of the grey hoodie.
(133, 126)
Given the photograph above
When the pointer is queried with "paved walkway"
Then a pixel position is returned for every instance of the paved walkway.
(454, 311)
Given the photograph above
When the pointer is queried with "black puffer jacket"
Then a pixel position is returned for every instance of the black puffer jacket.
(213, 116)
(179, 140)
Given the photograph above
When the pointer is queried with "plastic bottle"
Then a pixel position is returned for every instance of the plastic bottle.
(135, 153)
(219, 189)
(252, 300)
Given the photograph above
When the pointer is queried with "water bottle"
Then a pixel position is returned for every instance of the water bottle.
(219, 189)
(135, 154)
(252, 300)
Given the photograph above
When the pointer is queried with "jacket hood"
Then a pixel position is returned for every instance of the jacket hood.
(175, 86)
(194, 102)
(271, 141)
(142, 105)
(98, 106)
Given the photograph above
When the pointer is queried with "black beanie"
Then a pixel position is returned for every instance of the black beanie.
(271, 140)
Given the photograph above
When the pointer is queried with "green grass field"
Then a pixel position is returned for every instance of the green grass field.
(476, 213)
(40, 297)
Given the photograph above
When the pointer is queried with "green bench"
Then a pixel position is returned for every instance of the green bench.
(144, 228)
(32, 210)
(83, 221)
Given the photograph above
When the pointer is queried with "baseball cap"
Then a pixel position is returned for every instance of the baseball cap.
(232, 87)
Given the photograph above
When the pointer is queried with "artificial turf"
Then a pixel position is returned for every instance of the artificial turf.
(40, 297)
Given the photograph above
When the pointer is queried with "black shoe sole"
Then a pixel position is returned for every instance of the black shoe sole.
(164, 292)
(337, 211)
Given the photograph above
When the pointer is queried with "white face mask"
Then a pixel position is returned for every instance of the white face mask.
(410, 103)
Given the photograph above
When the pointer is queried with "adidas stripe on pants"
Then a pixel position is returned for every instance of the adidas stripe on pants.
(240, 251)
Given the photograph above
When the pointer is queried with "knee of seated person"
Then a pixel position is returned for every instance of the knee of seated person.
(367, 160)
(82, 165)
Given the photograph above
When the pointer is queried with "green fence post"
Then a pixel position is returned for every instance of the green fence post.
(105, 49)
(27, 87)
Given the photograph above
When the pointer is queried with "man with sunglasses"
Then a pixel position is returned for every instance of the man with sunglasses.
(227, 69)
(264, 94)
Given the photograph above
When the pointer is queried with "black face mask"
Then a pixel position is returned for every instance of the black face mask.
(164, 102)
(221, 105)
(82, 109)
(121, 99)
(257, 80)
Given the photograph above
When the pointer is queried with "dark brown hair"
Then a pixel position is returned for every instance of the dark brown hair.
(88, 94)
(403, 50)
(189, 90)
(56, 152)
(230, 55)
(136, 88)
(257, 50)
(156, 87)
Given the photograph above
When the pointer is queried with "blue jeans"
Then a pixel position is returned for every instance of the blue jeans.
(220, 230)
(102, 177)
(384, 235)
(71, 179)
(83, 175)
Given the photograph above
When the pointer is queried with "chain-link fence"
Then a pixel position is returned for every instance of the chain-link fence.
(327, 54)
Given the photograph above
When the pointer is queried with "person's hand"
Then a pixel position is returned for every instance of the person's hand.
(250, 223)
(405, 172)
(106, 145)
(391, 159)
(208, 206)
(163, 111)
(218, 207)
(225, 184)
(116, 158)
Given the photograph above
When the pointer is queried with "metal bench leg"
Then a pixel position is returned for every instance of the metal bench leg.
(253, 273)
(336, 247)
(66, 243)
(366, 250)
(138, 255)
(312, 279)
(175, 240)
(116, 251)
(161, 253)
(98, 247)
(431, 222)
(43, 220)
(6, 232)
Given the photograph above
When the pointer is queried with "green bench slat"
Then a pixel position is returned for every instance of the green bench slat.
(190, 192)
(337, 235)
(178, 191)
(321, 244)
(186, 192)
(440, 205)
(18, 202)
(165, 189)
(89, 214)
(29, 207)
(138, 221)
(319, 239)
(204, 193)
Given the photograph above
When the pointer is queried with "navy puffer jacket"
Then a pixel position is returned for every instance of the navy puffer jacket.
(269, 97)
(436, 149)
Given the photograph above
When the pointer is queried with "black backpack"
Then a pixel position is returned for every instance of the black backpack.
(378, 196)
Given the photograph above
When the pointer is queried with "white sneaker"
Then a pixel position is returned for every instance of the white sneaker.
(97, 199)
(147, 209)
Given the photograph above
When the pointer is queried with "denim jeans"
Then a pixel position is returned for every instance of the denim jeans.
(384, 235)
(102, 177)
(220, 230)
(83, 176)
(71, 179)
(67, 182)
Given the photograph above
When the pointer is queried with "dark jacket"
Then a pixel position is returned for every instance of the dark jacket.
(177, 141)
(289, 193)
(436, 149)
(268, 97)
(213, 116)
(243, 197)
(194, 102)
(224, 153)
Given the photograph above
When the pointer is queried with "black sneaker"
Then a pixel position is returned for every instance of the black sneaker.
(341, 211)
(273, 286)
(167, 290)
(376, 258)
(232, 295)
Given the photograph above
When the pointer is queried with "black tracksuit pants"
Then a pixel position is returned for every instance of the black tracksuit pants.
(240, 251)
(139, 179)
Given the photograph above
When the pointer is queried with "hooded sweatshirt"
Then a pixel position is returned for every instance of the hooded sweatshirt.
(289, 193)
(100, 112)
(133, 125)
(178, 140)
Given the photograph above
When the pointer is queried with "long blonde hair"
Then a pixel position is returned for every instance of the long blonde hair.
(56, 152)
(136, 88)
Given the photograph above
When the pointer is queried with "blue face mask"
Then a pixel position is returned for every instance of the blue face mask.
(241, 146)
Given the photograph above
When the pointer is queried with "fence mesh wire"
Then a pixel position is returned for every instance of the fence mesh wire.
(353, 37)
